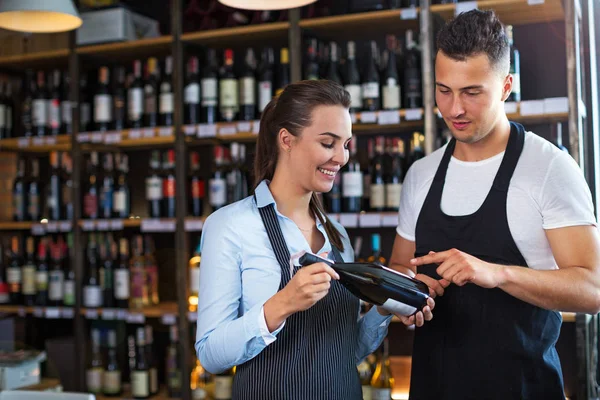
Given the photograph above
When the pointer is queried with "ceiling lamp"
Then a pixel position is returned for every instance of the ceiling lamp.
(39, 15)
(262, 5)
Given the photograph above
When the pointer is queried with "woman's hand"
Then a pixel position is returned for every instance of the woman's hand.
(309, 285)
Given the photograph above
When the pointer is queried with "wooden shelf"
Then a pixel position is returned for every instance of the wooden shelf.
(44, 385)
(239, 36)
(44, 144)
(164, 308)
(129, 50)
(15, 226)
(512, 12)
(42, 59)
(367, 23)
(163, 394)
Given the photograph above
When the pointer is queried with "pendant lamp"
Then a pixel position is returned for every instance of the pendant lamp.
(39, 15)
(263, 5)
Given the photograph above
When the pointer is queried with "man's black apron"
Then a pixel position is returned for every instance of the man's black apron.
(313, 357)
(482, 343)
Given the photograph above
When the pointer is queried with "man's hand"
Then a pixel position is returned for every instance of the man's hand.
(461, 268)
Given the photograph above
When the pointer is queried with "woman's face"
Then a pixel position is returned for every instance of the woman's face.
(321, 150)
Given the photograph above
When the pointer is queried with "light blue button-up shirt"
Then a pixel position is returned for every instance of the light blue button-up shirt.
(239, 273)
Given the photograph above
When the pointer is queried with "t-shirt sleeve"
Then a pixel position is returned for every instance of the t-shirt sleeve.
(566, 199)
(407, 214)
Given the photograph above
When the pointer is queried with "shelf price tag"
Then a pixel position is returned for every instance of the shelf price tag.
(169, 319)
(535, 2)
(244, 126)
(464, 7)
(255, 127)
(349, 220)
(38, 141)
(88, 225)
(192, 316)
(65, 226)
(389, 220)
(371, 220)
(148, 133)
(227, 130)
(83, 137)
(165, 131)
(91, 313)
(135, 134)
(122, 315)
(21, 312)
(556, 105)
(23, 142)
(157, 225)
(38, 312)
(51, 140)
(368, 117)
(413, 114)
(409, 13)
(116, 224)
(52, 313)
(510, 107)
(136, 318)
(388, 117)
(109, 314)
(190, 130)
(38, 229)
(193, 225)
(207, 130)
(97, 137)
(103, 225)
(112, 137)
(52, 227)
(532, 107)
(67, 312)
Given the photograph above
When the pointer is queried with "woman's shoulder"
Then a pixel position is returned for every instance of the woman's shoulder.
(233, 216)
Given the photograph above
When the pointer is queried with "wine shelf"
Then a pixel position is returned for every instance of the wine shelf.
(239, 36)
(37, 144)
(39, 312)
(167, 309)
(130, 50)
(40, 59)
(162, 394)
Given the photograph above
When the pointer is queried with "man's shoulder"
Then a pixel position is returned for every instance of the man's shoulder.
(429, 163)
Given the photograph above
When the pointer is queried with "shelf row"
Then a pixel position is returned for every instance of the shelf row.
(512, 12)
(377, 122)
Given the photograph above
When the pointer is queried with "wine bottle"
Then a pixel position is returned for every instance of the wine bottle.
(382, 382)
(41, 274)
(111, 382)
(201, 381)
(154, 187)
(173, 371)
(370, 86)
(122, 276)
(210, 86)
(166, 95)
(66, 112)
(191, 93)
(197, 188)
(413, 97)
(283, 71)
(352, 79)
(107, 272)
(333, 66)
(57, 275)
(334, 196)
(34, 192)
(29, 274)
(122, 194)
(417, 151)
(139, 279)
(85, 109)
(9, 111)
(515, 67)
(153, 372)
(40, 106)
(311, 69)
(92, 292)
(27, 103)
(228, 89)
(4, 289)
(395, 176)
(103, 104)
(14, 275)
(391, 82)
(95, 369)
(365, 374)
(169, 185)
(265, 78)
(67, 186)
(135, 97)
(3, 99)
(247, 86)
(194, 267)
(377, 185)
(20, 212)
(53, 112)
(234, 176)
(223, 385)
(91, 191)
(352, 181)
(217, 185)
(55, 189)
(119, 98)
(69, 289)
(151, 267)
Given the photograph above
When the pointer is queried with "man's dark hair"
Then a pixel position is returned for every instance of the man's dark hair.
(476, 32)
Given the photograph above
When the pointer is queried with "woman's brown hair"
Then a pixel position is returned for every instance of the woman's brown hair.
(292, 110)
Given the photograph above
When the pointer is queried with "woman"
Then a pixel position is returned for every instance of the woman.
(293, 334)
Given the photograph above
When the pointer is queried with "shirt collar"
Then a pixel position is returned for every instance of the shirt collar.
(264, 197)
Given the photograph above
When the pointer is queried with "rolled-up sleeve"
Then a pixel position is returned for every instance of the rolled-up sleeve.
(372, 329)
(223, 337)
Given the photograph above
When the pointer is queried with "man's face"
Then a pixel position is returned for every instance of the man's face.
(470, 95)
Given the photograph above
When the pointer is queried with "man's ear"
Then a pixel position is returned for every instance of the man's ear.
(507, 87)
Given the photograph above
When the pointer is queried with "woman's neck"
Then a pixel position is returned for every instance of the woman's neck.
(292, 201)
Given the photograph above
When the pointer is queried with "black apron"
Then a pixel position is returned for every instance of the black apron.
(313, 357)
(482, 343)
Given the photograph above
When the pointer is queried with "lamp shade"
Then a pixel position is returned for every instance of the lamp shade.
(266, 4)
(39, 15)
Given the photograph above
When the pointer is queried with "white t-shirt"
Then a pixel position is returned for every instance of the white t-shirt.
(547, 191)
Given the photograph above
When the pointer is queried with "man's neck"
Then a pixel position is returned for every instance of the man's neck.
(292, 201)
(494, 143)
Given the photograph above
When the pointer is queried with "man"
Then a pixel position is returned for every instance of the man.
(502, 226)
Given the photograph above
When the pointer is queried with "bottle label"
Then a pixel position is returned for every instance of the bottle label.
(40, 111)
(154, 188)
(381, 394)
(370, 90)
(120, 201)
(13, 275)
(2, 116)
(52, 199)
(199, 394)
(391, 96)
(54, 113)
(198, 189)
(122, 284)
(352, 184)
(396, 307)
(106, 196)
(516, 87)
(111, 382)
(223, 386)
(209, 92)
(140, 384)
(217, 192)
(18, 205)
(34, 205)
(153, 380)
(355, 96)
(66, 192)
(228, 93)
(92, 296)
(41, 281)
(94, 380)
(90, 205)
(106, 278)
(169, 188)
(247, 91)
(191, 94)
(135, 103)
(102, 108)
(29, 283)
(65, 111)
(265, 94)
(138, 282)
(366, 391)
(9, 116)
(69, 295)
(377, 196)
(166, 103)
(174, 379)
(194, 280)
(392, 195)
(55, 291)
(85, 115)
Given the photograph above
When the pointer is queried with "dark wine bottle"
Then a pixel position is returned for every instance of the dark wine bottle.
(166, 95)
(191, 93)
(247, 86)
(352, 79)
(370, 84)
(135, 97)
(228, 89)
(265, 78)
(210, 88)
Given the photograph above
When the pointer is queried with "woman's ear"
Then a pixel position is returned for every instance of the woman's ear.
(285, 140)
